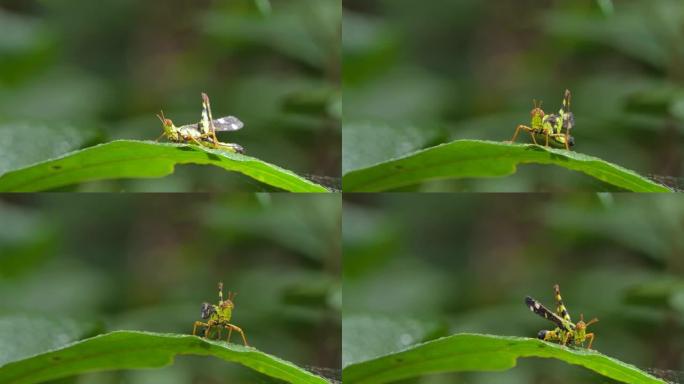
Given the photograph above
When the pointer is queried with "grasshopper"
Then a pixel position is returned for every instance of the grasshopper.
(550, 127)
(203, 133)
(566, 331)
(219, 316)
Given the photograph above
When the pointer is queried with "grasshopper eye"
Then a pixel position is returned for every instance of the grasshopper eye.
(207, 310)
(541, 335)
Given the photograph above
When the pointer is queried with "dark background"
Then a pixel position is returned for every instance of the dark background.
(428, 266)
(419, 74)
(75, 73)
(149, 262)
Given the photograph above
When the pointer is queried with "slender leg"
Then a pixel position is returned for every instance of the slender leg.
(517, 130)
(210, 324)
(590, 336)
(213, 135)
(566, 338)
(190, 138)
(230, 333)
(567, 139)
(198, 324)
(160, 136)
(526, 128)
(534, 140)
(236, 328)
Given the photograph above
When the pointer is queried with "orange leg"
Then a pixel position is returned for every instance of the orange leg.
(526, 128)
(207, 332)
(198, 324)
(590, 336)
(194, 140)
(232, 327)
(213, 135)
(566, 339)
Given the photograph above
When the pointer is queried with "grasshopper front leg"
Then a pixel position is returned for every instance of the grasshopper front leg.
(590, 336)
(198, 324)
(232, 327)
(527, 129)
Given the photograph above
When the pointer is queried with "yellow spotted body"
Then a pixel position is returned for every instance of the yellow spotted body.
(554, 129)
(202, 133)
(566, 332)
(218, 317)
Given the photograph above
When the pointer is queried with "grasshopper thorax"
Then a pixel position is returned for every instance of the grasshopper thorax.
(537, 115)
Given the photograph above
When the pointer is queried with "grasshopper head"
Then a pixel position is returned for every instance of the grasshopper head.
(167, 124)
(228, 303)
(581, 326)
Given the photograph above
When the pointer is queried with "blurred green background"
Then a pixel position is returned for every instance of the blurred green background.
(76, 265)
(419, 74)
(417, 267)
(76, 73)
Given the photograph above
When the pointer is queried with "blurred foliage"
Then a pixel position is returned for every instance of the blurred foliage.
(439, 71)
(97, 71)
(90, 264)
(468, 261)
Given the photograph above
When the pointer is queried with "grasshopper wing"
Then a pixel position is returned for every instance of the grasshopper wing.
(542, 311)
(228, 123)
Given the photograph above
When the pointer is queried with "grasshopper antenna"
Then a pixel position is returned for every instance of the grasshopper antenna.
(163, 120)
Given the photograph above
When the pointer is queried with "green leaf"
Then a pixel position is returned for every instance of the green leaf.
(368, 143)
(23, 144)
(134, 350)
(143, 159)
(474, 352)
(478, 158)
(24, 335)
(369, 336)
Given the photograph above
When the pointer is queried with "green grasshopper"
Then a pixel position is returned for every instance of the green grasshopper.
(550, 127)
(219, 316)
(204, 132)
(566, 331)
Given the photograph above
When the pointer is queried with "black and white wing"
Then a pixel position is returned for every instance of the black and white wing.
(542, 311)
(228, 123)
